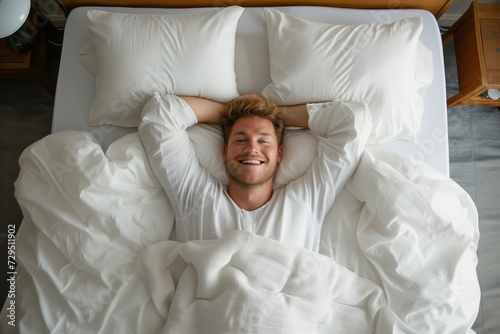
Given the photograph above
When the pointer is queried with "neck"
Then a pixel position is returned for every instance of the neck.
(250, 198)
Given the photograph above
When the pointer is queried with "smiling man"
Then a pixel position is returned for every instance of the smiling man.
(253, 132)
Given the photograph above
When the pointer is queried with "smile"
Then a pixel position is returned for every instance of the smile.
(251, 162)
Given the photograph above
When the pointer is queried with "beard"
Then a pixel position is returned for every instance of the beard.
(247, 177)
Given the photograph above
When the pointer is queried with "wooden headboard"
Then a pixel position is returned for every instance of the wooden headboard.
(436, 7)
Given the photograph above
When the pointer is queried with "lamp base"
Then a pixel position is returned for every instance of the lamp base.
(23, 39)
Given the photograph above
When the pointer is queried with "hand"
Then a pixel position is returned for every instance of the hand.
(296, 115)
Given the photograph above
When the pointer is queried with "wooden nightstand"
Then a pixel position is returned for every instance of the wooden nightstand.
(30, 64)
(477, 46)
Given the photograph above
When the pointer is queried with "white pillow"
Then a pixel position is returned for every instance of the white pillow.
(373, 63)
(87, 55)
(138, 54)
(208, 144)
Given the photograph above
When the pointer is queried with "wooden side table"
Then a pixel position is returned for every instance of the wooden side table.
(30, 64)
(477, 47)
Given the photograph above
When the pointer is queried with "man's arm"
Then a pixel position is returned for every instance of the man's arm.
(163, 131)
(296, 116)
(344, 128)
(206, 111)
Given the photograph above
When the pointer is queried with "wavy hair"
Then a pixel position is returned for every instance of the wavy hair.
(246, 107)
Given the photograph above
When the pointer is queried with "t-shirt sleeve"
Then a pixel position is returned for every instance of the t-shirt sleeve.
(164, 121)
(344, 128)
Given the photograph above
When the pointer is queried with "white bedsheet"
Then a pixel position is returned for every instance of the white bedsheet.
(398, 253)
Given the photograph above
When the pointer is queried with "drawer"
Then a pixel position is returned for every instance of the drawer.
(490, 35)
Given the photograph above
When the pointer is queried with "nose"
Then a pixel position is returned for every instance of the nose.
(251, 147)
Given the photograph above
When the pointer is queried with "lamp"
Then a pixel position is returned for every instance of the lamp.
(13, 15)
(494, 94)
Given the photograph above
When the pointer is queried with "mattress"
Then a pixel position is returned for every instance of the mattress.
(76, 85)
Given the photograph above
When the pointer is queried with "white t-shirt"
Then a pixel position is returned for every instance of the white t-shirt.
(294, 214)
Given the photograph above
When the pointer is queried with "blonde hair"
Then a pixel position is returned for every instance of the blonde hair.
(246, 107)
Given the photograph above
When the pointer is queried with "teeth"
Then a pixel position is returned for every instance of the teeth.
(251, 162)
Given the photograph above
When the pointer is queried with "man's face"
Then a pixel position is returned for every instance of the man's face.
(252, 154)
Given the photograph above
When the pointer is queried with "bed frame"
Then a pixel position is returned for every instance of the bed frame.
(436, 7)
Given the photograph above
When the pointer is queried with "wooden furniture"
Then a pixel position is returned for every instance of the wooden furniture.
(30, 64)
(477, 46)
(436, 7)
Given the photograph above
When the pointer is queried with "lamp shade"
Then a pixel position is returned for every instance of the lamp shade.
(494, 94)
(13, 13)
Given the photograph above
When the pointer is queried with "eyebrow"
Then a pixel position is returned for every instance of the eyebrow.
(264, 134)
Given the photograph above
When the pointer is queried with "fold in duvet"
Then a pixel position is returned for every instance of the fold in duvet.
(398, 253)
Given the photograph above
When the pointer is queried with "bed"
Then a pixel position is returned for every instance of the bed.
(95, 252)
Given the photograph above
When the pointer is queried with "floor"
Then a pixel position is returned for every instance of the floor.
(25, 116)
(474, 142)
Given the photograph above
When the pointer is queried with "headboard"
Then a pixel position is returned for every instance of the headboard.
(436, 7)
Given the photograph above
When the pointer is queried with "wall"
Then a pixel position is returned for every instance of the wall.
(456, 9)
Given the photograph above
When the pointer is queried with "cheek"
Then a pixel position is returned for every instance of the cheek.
(230, 152)
(273, 153)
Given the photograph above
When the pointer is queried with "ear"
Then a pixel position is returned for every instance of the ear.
(280, 153)
(224, 153)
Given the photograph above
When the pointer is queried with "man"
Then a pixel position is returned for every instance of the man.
(252, 126)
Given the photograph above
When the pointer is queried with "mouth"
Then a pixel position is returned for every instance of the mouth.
(250, 162)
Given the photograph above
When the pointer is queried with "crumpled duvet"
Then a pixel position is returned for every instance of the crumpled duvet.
(398, 254)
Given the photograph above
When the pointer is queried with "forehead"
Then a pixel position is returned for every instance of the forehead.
(253, 125)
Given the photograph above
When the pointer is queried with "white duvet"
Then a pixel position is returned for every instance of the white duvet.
(94, 256)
